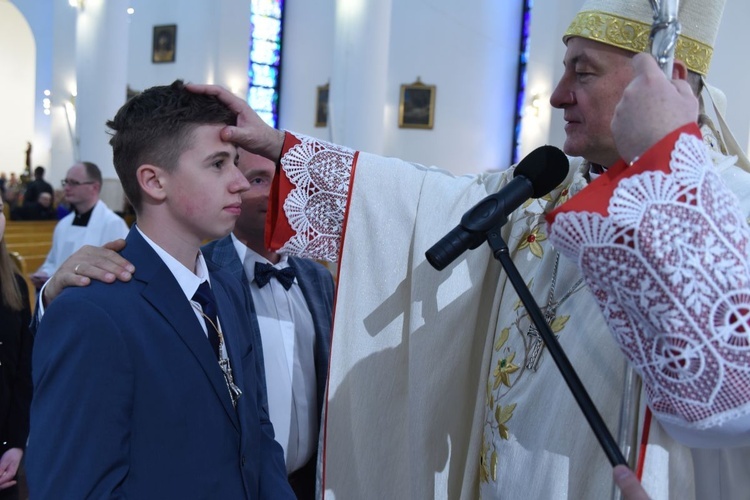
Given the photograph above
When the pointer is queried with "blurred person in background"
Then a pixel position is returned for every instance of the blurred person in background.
(15, 369)
(91, 223)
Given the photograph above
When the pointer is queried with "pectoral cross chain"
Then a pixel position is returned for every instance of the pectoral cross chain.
(550, 311)
(537, 343)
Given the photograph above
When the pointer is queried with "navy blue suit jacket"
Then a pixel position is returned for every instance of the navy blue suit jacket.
(317, 287)
(130, 401)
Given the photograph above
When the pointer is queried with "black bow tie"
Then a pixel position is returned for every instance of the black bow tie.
(264, 273)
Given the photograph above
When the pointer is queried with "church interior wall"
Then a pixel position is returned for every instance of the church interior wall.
(17, 96)
(468, 50)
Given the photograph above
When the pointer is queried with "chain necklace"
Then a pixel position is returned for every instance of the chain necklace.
(234, 391)
(550, 310)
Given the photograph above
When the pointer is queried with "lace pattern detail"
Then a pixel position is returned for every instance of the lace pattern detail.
(316, 205)
(670, 268)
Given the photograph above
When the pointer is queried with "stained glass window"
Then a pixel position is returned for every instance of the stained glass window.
(265, 58)
(521, 83)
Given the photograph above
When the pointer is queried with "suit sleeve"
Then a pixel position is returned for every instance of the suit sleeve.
(36, 317)
(258, 351)
(272, 474)
(664, 246)
(80, 413)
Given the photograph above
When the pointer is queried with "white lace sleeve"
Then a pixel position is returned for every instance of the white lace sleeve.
(315, 208)
(670, 269)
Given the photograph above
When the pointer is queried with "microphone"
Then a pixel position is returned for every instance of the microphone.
(535, 176)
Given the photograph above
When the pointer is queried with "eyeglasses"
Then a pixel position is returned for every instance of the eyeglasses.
(72, 183)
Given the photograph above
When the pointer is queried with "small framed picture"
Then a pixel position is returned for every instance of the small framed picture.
(321, 107)
(417, 106)
(164, 44)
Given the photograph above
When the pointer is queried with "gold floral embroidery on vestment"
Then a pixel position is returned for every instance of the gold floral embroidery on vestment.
(502, 415)
(504, 334)
(532, 239)
(488, 460)
(503, 370)
(633, 35)
(484, 464)
(558, 323)
(559, 199)
(511, 345)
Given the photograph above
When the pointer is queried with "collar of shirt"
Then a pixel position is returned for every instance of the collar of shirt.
(595, 170)
(249, 257)
(82, 219)
(188, 281)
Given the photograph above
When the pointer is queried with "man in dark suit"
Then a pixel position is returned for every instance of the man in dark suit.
(37, 187)
(150, 388)
(294, 323)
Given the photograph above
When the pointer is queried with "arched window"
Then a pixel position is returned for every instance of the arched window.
(265, 58)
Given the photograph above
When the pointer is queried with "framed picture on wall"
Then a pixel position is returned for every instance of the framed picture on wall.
(416, 107)
(321, 107)
(164, 44)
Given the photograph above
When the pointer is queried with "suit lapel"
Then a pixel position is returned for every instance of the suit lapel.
(165, 295)
(223, 255)
(309, 285)
(312, 288)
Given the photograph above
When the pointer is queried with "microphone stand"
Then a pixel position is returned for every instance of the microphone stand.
(607, 442)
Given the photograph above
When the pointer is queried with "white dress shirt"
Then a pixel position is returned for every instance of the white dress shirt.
(288, 336)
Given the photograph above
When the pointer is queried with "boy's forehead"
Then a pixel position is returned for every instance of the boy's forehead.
(206, 130)
(204, 140)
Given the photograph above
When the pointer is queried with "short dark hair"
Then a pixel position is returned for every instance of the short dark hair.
(39, 172)
(156, 126)
(92, 171)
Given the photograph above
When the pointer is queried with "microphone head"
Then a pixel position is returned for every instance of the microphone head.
(546, 167)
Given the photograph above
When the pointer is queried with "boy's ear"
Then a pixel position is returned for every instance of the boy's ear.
(679, 70)
(151, 180)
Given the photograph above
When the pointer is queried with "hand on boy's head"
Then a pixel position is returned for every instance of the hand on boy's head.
(251, 132)
(651, 107)
(87, 263)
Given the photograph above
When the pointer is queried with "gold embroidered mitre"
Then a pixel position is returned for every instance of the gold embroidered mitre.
(627, 24)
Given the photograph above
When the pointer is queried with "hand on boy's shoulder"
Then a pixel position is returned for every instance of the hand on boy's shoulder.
(87, 263)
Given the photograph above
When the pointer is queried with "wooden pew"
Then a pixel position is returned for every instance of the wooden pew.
(38, 247)
(18, 238)
(29, 242)
(30, 226)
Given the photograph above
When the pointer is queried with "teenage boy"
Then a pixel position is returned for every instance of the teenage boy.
(152, 388)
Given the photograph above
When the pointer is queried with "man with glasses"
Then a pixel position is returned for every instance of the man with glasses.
(90, 223)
